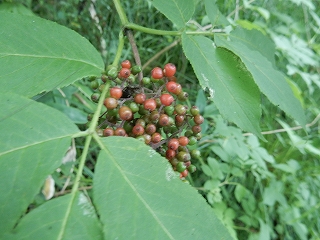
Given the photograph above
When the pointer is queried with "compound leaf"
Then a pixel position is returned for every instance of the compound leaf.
(271, 82)
(177, 11)
(230, 85)
(38, 55)
(138, 196)
(36, 139)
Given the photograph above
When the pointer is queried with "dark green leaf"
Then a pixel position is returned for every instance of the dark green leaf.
(36, 137)
(38, 55)
(138, 196)
(270, 81)
(229, 83)
(177, 11)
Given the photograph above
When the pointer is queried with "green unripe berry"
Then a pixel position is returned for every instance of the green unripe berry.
(181, 167)
(95, 97)
(134, 107)
(112, 73)
(135, 69)
(94, 84)
(194, 111)
(192, 168)
(192, 140)
(92, 78)
(183, 156)
(169, 110)
(146, 81)
(195, 153)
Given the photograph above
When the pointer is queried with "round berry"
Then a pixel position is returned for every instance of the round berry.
(194, 110)
(134, 107)
(120, 132)
(156, 137)
(104, 78)
(173, 87)
(183, 96)
(112, 72)
(116, 92)
(166, 99)
(184, 173)
(124, 72)
(125, 113)
(138, 130)
(169, 110)
(180, 109)
(146, 81)
(181, 167)
(198, 119)
(111, 103)
(140, 98)
(164, 120)
(154, 116)
(157, 73)
(169, 70)
(170, 154)
(192, 168)
(108, 132)
(192, 140)
(195, 153)
(183, 141)
(136, 69)
(126, 64)
(173, 144)
(150, 129)
(183, 156)
(196, 129)
(150, 104)
(95, 97)
(94, 84)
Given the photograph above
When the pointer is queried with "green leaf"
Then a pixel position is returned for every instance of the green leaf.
(38, 55)
(137, 194)
(270, 81)
(215, 16)
(61, 218)
(230, 85)
(36, 139)
(177, 11)
(75, 114)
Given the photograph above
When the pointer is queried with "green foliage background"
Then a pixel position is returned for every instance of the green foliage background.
(259, 189)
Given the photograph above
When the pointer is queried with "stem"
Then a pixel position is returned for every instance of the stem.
(135, 52)
(84, 154)
(121, 12)
(119, 50)
(151, 30)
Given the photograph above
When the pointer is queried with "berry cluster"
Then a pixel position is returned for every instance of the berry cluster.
(151, 110)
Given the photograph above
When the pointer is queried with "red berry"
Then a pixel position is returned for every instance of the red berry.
(150, 104)
(150, 129)
(126, 64)
(179, 118)
(196, 129)
(183, 141)
(169, 70)
(164, 120)
(157, 73)
(125, 113)
(156, 137)
(173, 144)
(138, 130)
(116, 92)
(140, 98)
(184, 173)
(174, 87)
(173, 78)
(124, 72)
(120, 132)
(198, 119)
(166, 99)
(170, 154)
(108, 132)
(111, 103)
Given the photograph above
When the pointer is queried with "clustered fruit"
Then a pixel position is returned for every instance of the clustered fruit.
(152, 110)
